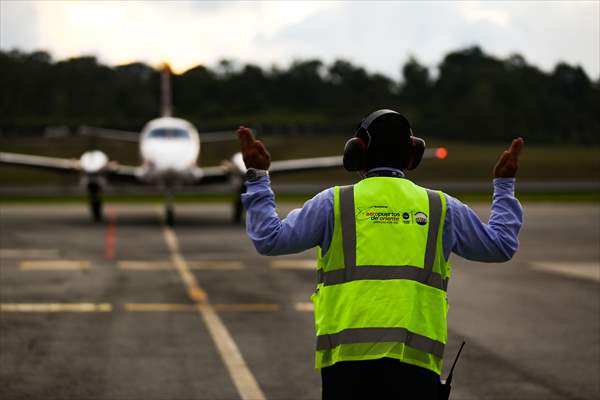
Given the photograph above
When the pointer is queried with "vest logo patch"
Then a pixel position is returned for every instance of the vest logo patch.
(381, 214)
(421, 218)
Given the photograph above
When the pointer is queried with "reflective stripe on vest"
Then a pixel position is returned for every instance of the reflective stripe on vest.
(379, 335)
(351, 272)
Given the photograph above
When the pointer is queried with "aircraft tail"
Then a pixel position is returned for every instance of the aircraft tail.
(166, 109)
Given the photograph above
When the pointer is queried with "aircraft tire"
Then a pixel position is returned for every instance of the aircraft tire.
(96, 209)
(170, 217)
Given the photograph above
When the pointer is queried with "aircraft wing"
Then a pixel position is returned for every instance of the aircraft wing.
(113, 134)
(305, 164)
(70, 166)
(318, 163)
(217, 136)
(65, 165)
(217, 174)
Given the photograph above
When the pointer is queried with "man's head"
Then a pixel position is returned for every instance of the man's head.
(383, 139)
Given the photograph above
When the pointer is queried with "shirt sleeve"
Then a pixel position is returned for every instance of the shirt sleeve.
(497, 241)
(302, 229)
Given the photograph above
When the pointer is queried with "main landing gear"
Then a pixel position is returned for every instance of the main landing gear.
(95, 200)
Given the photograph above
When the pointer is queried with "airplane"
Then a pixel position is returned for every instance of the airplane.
(170, 149)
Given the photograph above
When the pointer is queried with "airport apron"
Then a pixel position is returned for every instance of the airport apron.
(382, 284)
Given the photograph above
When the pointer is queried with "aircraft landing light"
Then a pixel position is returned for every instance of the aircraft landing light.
(441, 153)
(54, 265)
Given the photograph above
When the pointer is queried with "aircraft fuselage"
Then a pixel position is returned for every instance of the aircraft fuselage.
(169, 149)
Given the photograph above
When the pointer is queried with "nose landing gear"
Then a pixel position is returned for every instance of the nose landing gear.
(169, 209)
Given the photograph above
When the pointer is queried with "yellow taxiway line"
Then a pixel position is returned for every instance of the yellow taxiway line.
(306, 306)
(137, 307)
(242, 377)
(150, 307)
(143, 265)
(141, 307)
(55, 307)
(294, 264)
(54, 265)
(151, 265)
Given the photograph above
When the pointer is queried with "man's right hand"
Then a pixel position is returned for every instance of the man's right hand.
(508, 164)
(253, 151)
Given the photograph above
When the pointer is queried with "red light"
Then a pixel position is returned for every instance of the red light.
(441, 153)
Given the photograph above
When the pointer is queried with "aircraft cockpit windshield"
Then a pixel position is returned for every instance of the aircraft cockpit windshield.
(169, 133)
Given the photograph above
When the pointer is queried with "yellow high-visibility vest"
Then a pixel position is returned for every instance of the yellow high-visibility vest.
(382, 284)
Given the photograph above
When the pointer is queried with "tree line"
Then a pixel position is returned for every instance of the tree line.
(472, 96)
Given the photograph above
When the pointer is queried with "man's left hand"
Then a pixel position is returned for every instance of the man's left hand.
(508, 164)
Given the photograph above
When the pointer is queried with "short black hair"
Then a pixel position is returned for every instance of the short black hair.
(390, 141)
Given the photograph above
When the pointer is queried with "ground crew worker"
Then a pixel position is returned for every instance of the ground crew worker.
(383, 246)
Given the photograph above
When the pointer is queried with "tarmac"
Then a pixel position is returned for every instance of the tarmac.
(132, 309)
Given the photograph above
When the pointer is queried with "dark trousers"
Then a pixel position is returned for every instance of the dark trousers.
(385, 378)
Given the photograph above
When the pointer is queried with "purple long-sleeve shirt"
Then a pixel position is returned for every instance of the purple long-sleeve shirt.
(312, 225)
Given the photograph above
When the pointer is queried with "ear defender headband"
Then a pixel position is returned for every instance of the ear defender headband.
(355, 149)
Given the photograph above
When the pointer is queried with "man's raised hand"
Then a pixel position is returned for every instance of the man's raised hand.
(254, 151)
(508, 164)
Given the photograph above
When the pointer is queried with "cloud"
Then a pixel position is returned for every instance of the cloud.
(382, 34)
(18, 22)
(378, 35)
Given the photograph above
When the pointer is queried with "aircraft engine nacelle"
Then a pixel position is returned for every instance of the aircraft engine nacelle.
(93, 161)
(237, 164)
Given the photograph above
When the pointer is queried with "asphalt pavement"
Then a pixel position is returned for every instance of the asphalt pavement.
(131, 309)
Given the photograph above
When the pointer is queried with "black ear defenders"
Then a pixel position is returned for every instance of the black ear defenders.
(355, 149)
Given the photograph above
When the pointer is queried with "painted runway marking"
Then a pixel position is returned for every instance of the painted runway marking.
(194, 290)
(29, 253)
(241, 375)
(306, 306)
(159, 307)
(583, 270)
(294, 264)
(216, 265)
(54, 265)
(243, 307)
(141, 265)
(56, 307)
(136, 307)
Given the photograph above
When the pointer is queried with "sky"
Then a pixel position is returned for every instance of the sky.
(379, 36)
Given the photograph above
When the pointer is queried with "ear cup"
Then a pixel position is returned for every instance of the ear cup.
(355, 152)
(416, 151)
